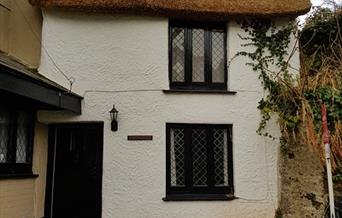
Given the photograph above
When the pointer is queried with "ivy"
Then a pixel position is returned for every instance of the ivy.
(271, 45)
(329, 97)
(296, 101)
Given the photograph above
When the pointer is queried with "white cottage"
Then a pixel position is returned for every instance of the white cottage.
(183, 143)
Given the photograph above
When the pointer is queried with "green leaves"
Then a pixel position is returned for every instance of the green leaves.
(316, 37)
(287, 98)
(332, 99)
(270, 45)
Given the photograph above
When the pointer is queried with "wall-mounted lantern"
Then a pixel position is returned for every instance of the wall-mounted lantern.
(114, 118)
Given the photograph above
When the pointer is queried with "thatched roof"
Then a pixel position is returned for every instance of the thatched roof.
(185, 8)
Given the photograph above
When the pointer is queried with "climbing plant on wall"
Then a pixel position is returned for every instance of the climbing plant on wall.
(295, 96)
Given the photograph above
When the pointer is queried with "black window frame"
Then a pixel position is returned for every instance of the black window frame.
(208, 27)
(189, 192)
(10, 167)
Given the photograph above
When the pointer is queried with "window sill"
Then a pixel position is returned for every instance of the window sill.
(190, 91)
(18, 176)
(199, 197)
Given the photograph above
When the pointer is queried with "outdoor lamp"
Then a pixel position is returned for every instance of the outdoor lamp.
(114, 118)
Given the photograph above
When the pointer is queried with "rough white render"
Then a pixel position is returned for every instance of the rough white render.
(107, 54)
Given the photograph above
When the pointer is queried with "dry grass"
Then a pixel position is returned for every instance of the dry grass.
(329, 75)
(215, 9)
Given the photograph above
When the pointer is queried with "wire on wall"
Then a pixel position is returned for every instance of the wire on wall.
(5, 7)
(120, 91)
(71, 80)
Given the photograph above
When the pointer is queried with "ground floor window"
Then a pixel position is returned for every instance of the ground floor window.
(16, 141)
(199, 160)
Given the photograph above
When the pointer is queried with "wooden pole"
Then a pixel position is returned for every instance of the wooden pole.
(328, 160)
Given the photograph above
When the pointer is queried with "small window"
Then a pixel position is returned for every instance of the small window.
(16, 139)
(199, 160)
(198, 56)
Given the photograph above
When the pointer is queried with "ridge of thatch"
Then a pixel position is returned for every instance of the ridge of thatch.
(185, 8)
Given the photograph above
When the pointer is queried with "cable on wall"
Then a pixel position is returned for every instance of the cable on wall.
(121, 91)
(5, 7)
(71, 80)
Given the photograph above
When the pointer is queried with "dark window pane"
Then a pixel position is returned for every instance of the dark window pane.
(177, 147)
(218, 58)
(198, 55)
(22, 137)
(220, 144)
(4, 133)
(199, 157)
(178, 55)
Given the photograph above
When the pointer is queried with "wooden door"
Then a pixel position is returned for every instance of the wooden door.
(74, 186)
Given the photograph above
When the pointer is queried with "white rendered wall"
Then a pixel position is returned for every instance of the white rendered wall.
(107, 53)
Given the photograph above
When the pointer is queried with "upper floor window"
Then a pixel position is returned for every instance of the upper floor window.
(16, 141)
(198, 55)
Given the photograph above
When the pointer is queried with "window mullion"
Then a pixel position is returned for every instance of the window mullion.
(168, 157)
(225, 58)
(170, 54)
(230, 159)
(30, 144)
(210, 157)
(188, 56)
(207, 52)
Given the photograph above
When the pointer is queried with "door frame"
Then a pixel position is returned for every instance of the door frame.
(52, 139)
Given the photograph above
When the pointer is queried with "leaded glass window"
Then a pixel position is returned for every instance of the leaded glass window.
(178, 54)
(16, 141)
(199, 159)
(198, 55)
(22, 142)
(177, 167)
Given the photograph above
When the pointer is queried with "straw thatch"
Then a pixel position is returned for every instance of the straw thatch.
(185, 8)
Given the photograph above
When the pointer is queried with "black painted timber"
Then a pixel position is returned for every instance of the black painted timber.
(18, 83)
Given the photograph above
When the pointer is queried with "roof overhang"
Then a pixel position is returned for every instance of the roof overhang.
(201, 9)
(36, 88)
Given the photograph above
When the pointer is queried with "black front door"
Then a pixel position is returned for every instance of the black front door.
(74, 171)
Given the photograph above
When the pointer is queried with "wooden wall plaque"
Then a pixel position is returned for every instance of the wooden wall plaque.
(139, 138)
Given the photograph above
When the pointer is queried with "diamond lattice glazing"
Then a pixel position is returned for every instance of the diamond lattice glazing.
(4, 133)
(199, 157)
(22, 138)
(198, 55)
(218, 59)
(177, 157)
(178, 55)
(220, 157)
